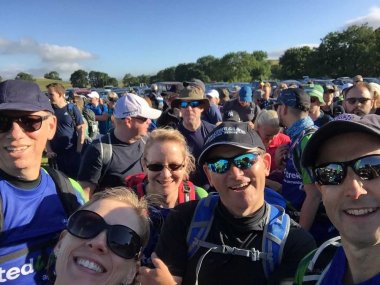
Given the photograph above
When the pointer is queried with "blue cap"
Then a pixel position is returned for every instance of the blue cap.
(23, 95)
(295, 98)
(245, 94)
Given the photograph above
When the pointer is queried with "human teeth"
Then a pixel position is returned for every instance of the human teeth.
(9, 148)
(239, 186)
(89, 264)
(359, 212)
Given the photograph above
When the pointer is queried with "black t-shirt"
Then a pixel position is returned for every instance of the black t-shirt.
(222, 269)
(246, 114)
(125, 161)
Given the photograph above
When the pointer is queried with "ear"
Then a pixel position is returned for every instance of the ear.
(52, 126)
(267, 162)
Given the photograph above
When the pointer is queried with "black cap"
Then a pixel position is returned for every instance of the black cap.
(231, 116)
(236, 134)
(344, 123)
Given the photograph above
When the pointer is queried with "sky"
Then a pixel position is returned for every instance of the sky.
(145, 36)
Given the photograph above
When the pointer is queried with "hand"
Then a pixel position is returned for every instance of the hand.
(159, 275)
(280, 156)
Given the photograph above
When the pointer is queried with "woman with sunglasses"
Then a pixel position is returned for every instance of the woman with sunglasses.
(167, 164)
(103, 240)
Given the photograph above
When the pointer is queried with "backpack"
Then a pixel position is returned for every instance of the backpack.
(89, 116)
(186, 190)
(313, 267)
(275, 233)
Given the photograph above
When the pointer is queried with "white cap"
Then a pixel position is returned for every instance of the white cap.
(213, 93)
(132, 105)
(93, 94)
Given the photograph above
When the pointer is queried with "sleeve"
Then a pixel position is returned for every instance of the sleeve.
(91, 164)
(172, 247)
(78, 116)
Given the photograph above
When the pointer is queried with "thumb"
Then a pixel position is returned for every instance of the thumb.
(157, 262)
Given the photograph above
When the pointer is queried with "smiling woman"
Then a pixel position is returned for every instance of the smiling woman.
(102, 241)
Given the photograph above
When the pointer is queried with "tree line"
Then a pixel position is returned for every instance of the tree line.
(355, 50)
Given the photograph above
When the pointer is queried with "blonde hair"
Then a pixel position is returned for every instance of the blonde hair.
(79, 102)
(163, 135)
(375, 90)
(126, 195)
(267, 117)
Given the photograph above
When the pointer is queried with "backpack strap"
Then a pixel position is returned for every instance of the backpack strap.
(105, 154)
(275, 233)
(70, 110)
(186, 192)
(201, 222)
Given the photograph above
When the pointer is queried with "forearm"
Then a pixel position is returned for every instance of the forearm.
(81, 131)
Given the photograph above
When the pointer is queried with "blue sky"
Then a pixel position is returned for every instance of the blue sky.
(145, 36)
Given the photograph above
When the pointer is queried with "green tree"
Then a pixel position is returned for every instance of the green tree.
(24, 76)
(79, 78)
(98, 79)
(130, 80)
(52, 75)
(113, 81)
(294, 62)
(209, 66)
(237, 66)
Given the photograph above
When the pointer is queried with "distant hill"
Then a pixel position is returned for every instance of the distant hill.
(42, 82)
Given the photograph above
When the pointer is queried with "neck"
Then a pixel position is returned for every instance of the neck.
(61, 103)
(314, 114)
(192, 125)
(124, 135)
(362, 262)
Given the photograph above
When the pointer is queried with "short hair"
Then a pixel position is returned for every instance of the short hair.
(167, 134)
(57, 87)
(127, 196)
(267, 117)
(361, 84)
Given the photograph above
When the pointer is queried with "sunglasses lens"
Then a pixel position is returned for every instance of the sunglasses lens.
(245, 161)
(220, 166)
(174, 167)
(31, 123)
(155, 167)
(194, 104)
(123, 241)
(368, 167)
(331, 174)
(85, 224)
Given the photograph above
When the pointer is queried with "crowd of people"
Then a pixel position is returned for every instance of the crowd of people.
(190, 186)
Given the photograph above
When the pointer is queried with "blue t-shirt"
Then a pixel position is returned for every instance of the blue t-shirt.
(338, 268)
(31, 217)
(66, 136)
(99, 110)
(212, 114)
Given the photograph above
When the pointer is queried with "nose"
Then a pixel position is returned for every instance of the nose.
(166, 172)
(99, 243)
(235, 171)
(353, 185)
(16, 131)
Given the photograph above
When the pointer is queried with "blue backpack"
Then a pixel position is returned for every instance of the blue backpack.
(275, 233)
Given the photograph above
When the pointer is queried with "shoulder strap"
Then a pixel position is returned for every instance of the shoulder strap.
(70, 110)
(66, 191)
(275, 233)
(186, 192)
(201, 222)
(105, 154)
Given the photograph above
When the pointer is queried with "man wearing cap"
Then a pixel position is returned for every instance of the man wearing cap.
(316, 101)
(132, 119)
(212, 114)
(236, 165)
(244, 106)
(359, 99)
(298, 186)
(330, 108)
(32, 214)
(345, 158)
(100, 110)
(170, 117)
(192, 102)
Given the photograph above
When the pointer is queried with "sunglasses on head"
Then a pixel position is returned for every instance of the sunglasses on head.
(192, 104)
(29, 123)
(333, 173)
(361, 100)
(158, 166)
(121, 240)
(241, 161)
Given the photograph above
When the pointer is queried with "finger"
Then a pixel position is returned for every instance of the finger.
(157, 262)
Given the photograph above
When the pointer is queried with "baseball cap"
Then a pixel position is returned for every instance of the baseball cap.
(212, 93)
(132, 105)
(231, 116)
(190, 94)
(23, 95)
(245, 94)
(315, 91)
(173, 91)
(238, 134)
(195, 83)
(328, 87)
(344, 123)
(295, 98)
(93, 94)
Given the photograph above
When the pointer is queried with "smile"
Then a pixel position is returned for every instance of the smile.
(16, 149)
(90, 265)
(240, 187)
(360, 212)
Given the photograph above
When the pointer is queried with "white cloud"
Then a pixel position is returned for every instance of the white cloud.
(372, 19)
(63, 59)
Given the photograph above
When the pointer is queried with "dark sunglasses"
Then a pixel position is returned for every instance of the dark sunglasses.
(241, 161)
(333, 173)
(361, 100)
(158, 166)
(122, 240)
(29, 123)
(192, 104)
(141, 119)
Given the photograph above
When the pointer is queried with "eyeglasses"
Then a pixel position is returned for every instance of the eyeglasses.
(192, 104)
(121, 240)
(241, 161)
(141, 119)
(158, 166)
(361, 100)
(29, 123)
(333, 173)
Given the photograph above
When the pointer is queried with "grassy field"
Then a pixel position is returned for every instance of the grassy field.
(42, 82)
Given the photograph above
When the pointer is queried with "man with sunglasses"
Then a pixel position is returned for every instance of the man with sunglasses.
(358, 99)
(236, 165)
(345, 158)
(192, 103)
(32, 208)
(133, 116)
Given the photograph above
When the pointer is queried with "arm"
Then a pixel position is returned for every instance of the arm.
(102, 117)
(81, 131)
(310, 206)
(88, 188)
